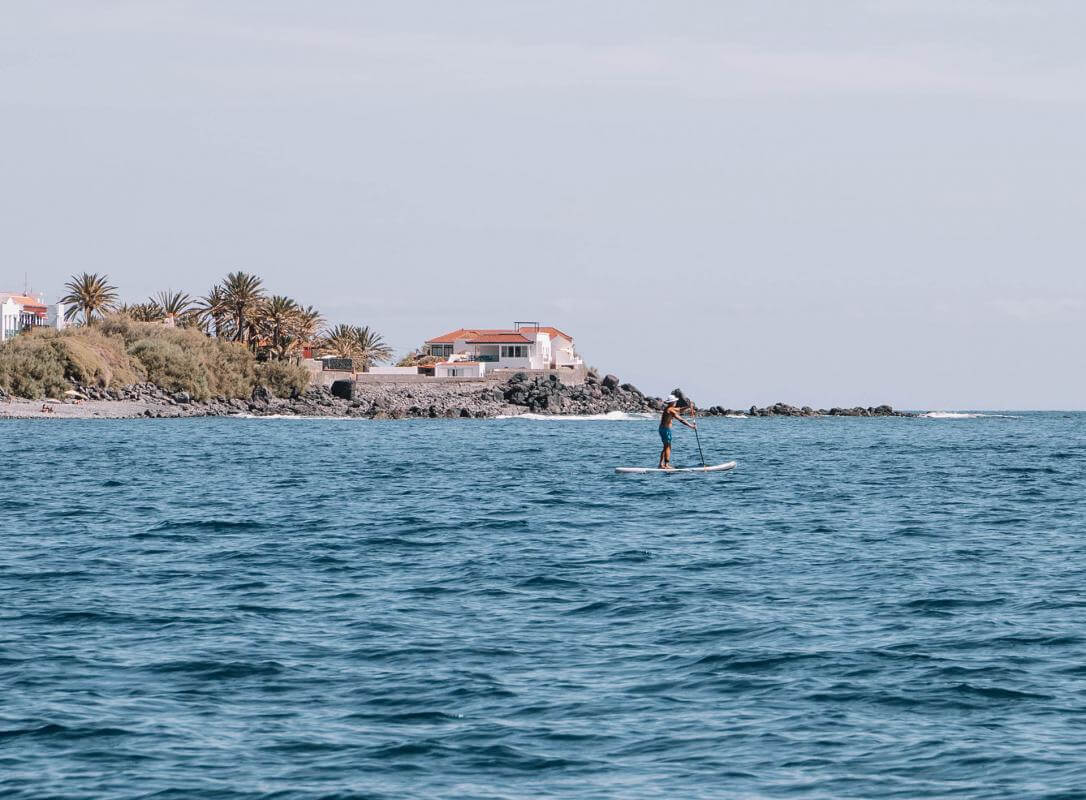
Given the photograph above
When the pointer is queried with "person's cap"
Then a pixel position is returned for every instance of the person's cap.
(672, 398)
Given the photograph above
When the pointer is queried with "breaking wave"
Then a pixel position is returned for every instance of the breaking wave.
(963, 415)
(293, 416)
(621, 416)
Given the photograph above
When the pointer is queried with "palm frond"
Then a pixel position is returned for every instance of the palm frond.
(90, 295)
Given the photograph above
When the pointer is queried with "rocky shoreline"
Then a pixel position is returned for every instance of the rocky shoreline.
(521, 394)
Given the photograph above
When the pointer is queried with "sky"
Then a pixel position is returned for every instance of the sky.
(848, 202)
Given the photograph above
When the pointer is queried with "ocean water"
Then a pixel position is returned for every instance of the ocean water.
(254, 608)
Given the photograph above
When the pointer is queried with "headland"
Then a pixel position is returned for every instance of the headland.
(376, 399)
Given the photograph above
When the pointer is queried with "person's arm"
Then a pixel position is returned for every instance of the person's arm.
(685, 410)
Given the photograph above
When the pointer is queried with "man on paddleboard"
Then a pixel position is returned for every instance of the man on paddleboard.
(671, 413)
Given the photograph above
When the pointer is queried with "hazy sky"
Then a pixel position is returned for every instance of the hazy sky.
(832, 202)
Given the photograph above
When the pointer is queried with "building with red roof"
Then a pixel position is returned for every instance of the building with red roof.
(527, 345)
(21, 312)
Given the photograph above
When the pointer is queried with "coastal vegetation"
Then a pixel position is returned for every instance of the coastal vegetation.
(89, 296)
(363, 346)
(225, 344)
(417, 358)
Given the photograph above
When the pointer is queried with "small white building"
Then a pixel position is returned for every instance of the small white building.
(524, 346)
(459, 369)
(20, 312)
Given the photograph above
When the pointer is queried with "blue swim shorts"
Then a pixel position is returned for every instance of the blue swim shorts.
(665, 435)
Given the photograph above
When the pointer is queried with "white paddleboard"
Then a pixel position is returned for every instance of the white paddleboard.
(642, 470)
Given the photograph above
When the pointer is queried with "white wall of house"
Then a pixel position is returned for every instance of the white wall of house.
(538, 353)
(563, 351)
(393, 370)
(512, 363)
(9, 319)
(542, 348)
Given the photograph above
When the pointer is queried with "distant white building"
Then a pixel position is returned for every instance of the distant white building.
(524, 346)
(459, 369)
(20, 312)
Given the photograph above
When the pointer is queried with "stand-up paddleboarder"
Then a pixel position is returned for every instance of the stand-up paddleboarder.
(671, 412)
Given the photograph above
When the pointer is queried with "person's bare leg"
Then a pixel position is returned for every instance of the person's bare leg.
(662, 454)
(667, 457)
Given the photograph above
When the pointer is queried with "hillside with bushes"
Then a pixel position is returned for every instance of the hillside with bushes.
(117, 351)
(222, 345)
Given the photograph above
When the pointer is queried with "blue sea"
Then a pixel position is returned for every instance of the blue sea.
(307, 608)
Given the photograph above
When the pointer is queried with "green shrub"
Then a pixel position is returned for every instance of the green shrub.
(33, 366)
(44, 363)
(170, 367)
(97, 359)
(231, 369)
(282, 378)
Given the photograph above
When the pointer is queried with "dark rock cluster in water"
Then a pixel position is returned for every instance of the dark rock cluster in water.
(785, 410)
(523, 393)
(548, 395)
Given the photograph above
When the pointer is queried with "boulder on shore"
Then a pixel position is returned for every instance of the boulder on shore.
(343, 389)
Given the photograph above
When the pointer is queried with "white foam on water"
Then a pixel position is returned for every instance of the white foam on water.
(963, 415)
(289, 416)
(736, 416)
(621, 416)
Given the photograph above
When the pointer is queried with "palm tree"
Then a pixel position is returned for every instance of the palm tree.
(276, 317)
(242, 293)
(142, 312)
(358, 343)
(213, 311)
(371, 347)
(340, 341)
(301, 330)
(176, 306)
(89, 295)
(307, 324)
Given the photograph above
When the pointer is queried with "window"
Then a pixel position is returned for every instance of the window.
(514, 351)
(441, 350)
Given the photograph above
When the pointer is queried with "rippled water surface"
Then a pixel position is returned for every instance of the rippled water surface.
(319, 608)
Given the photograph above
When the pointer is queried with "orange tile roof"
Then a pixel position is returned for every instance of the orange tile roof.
(463, 333)
(476, 333)
(22, 299)
(552, 332)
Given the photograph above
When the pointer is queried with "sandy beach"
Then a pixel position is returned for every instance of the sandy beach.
(87, 409)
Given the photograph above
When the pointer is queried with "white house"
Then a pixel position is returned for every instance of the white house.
(19, 312)
(524, 346)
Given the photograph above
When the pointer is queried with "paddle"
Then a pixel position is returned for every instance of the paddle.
(688, 403)
(694, 414)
